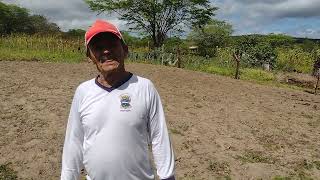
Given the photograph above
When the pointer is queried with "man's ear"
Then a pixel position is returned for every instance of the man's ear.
(126, 50)
(91, 56)
(88, 56)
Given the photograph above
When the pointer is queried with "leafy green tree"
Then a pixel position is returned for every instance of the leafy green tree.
(130, 39)
(14, 19)
(4, 17)
(295, 60)
(211, 36)
(279, 40)
(263, 53)
(245, 42)
(40, 24)
(308, 46)
(158, 17)
(171, 44)
(256, 50)
(75, 33)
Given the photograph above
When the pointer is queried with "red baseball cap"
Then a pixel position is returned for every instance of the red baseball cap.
(101, 26)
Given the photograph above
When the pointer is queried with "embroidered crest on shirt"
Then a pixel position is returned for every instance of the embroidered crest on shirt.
(125, 101)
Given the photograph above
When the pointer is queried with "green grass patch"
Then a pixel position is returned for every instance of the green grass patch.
(175, 131)
(281, 178)
(40, 55)
(317, 164)
(6, 173)
(255, 157)
(211, 68)
(41, 48)
(219, 70)
(222, 169)
(256, 75)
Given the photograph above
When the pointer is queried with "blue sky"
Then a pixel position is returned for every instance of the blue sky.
(300, 18)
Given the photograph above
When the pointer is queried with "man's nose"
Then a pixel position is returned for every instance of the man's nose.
(106, 51)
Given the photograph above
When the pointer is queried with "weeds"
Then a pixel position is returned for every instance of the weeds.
(6, 173)
(255, 157)
(222, 169)
(316, 164)
(301, 168)
(41, 48)
(175, 131)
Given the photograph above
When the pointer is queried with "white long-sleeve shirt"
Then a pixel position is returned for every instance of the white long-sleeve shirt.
(109, 130)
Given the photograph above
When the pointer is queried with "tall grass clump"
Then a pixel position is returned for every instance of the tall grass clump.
(41, 48)
(209, 65)
(294, 60)
(257, 75)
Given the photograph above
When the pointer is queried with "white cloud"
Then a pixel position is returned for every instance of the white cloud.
(246, 16)
(67, 14)
(257, 16)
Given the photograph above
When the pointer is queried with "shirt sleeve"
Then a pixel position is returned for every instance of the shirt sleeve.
(72, 158)
(161, 146)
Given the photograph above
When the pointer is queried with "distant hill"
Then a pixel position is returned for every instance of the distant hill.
(296, 39)
(301, 40)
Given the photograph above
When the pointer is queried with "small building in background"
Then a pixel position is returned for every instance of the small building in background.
(193, 49)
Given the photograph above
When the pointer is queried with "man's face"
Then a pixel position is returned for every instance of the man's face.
(107, 52)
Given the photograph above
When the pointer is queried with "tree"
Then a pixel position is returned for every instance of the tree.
(40, 24)
(158, 17)
(75, 33)
(256, 50)
(209, 37)
(14, 19)
(279, 40)
(308, 46)
(4, 17)
(263, 53)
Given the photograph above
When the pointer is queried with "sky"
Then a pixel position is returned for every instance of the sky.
(299, 18)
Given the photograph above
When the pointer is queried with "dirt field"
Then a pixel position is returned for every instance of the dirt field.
(220, 127)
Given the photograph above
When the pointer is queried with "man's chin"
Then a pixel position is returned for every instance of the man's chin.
(106, 68)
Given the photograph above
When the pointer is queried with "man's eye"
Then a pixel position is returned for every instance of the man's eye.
(98, 47)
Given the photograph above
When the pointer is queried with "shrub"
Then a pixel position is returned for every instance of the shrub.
(256, 74)
(294, 60)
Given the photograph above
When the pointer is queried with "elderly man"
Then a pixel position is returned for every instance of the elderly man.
(114, 117)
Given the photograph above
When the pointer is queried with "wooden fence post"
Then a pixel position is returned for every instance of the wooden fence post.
(179, 56)
(237, 57)
(318, 78)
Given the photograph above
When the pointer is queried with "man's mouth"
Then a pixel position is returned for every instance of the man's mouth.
(104, 59)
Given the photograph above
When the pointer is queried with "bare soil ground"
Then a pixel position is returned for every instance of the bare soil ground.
(220, 127)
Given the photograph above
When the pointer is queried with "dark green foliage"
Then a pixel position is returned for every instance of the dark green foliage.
(157, 17)
(14, 19)
(76, 33)
(6, 173)
(262, 53)
(308, 46)
(213, 35)
(278, 40)
(133, 41)
(171, 45)
(275, 40)
(257, 50)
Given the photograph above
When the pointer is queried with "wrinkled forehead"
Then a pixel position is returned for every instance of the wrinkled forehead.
(104, 36)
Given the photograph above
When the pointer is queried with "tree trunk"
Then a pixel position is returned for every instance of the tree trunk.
(237, 70)
(237, 57)
(317, 84)
(179, 57)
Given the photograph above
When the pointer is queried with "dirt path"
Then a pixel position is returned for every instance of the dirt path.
(220, 127)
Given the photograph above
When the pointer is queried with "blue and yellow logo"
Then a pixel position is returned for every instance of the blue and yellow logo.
(125, 101)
